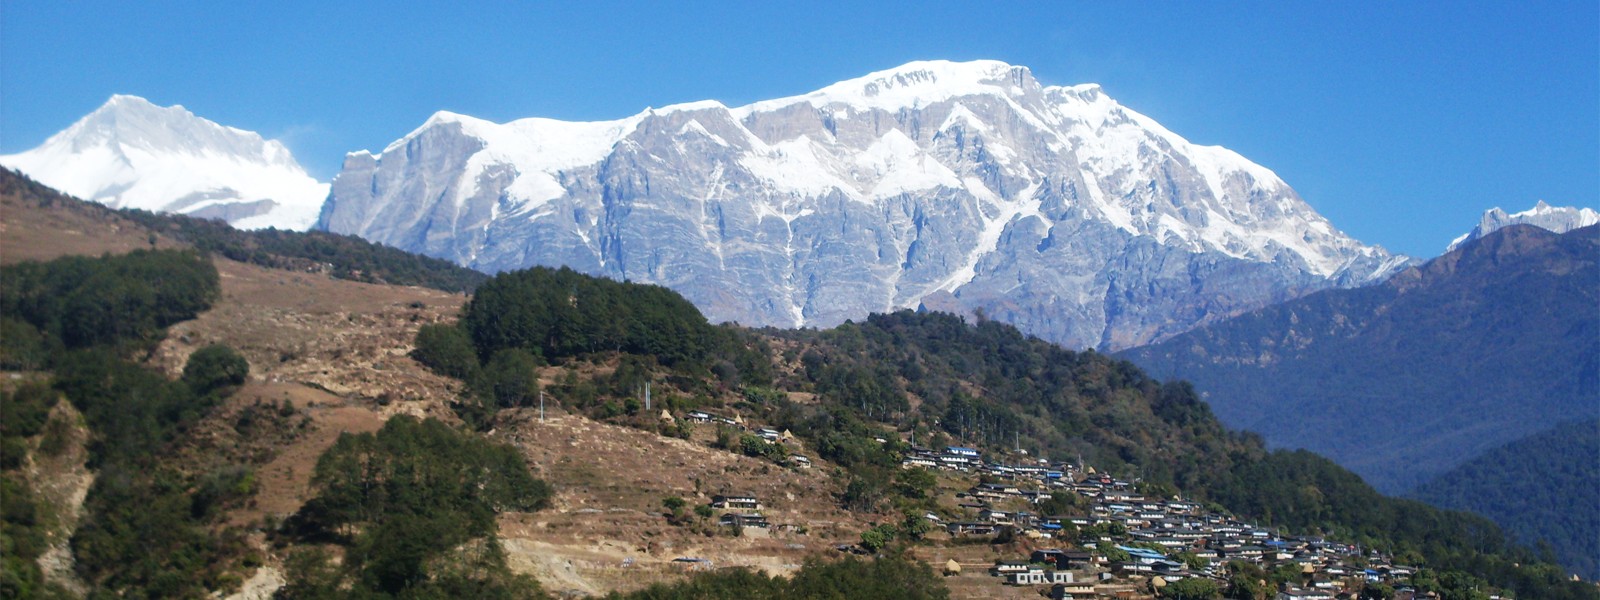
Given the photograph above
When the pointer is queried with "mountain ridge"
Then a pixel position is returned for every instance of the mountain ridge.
(1491, 342)
(1559, 219)
(1530, 487)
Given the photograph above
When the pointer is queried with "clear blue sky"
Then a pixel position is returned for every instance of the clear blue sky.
(1401, 122)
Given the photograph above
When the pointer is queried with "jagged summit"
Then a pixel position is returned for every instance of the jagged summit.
(950, 185)
(131, 153)
(913, 85)
(133, 122)
(1559, 219)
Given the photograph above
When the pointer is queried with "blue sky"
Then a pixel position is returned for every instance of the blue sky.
(1401, 122)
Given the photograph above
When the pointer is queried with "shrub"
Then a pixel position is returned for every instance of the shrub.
(213, 367)
(447, 350)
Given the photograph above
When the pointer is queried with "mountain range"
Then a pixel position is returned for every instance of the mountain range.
(1492, 342)
(965, 187)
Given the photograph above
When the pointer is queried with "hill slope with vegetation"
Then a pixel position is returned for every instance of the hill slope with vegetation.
(1542, 489)
(988, 385)
(430, 507)
(1401, 381)
(341, 256)
(934, 379)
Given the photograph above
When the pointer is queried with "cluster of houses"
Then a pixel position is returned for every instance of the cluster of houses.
(1150, 532)
(746, 511)
(954, 458)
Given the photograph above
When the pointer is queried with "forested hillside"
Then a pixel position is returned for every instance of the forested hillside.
(1542, 489)
(397, 505)
(1401, 381)
(148, 528)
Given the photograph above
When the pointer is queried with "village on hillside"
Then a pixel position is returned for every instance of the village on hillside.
(1115, 541)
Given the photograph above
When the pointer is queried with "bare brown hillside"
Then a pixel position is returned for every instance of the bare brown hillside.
(29, 231)
(330, 356)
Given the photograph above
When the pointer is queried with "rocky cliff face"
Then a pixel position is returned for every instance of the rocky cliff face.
(955, 186)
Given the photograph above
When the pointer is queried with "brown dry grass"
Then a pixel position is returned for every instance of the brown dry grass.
(30, 232)
(610, 482)
(337, 350)
(351, 339)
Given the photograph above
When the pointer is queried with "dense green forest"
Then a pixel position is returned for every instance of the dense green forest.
(560, 313)
(341, 256)
(1543, 489)
(148, 529)
(412, 508)
(124, 302)
(1403, 380)
(521, 319)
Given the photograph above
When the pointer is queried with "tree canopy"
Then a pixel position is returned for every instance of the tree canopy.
(410, 501)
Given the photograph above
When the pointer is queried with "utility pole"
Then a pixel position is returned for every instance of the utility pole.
(647, 396)
(541, 406)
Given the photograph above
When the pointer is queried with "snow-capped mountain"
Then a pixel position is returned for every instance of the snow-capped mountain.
(1559, 219)
(954, 186)
(130, 153)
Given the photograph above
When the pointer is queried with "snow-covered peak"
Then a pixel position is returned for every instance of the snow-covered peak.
(1559, 219)
(131, 153)
(912, 85)
(133, 122)
(951, 185)
(689, 107)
